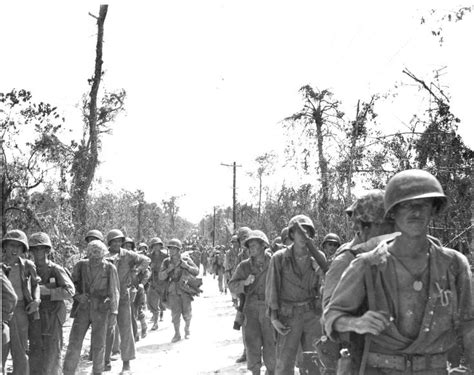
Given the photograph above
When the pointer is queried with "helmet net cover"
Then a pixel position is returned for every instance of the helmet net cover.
(256, 235)
(304, 221)
(96, 249)
(16, 235)
(39, 239)
(368, 207)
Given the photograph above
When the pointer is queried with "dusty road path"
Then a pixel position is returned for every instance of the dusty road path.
(212, 349)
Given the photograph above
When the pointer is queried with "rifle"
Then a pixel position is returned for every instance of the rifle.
(318, 255)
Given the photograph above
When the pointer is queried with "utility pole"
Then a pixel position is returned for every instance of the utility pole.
(234, 199)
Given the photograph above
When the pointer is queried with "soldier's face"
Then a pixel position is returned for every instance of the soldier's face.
(128, 246)
(330, 247)
(256, 247)
(115, 245)
(412, 217)
(13, 250)
(39, 254)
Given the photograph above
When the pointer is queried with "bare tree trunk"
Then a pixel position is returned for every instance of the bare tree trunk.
(86, 158)
(323, 164)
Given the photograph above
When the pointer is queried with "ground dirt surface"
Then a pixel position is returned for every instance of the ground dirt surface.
(212, 348)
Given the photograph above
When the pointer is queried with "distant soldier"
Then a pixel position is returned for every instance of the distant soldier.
(175, 270)
(367, 216)
(156, 287)
(95, 305)
(219, 268)
(293, 295)
(128, 244)
(9, 300)
(94, 234)
(25, 283)
(330, 244)
(46, 334)
(231, 261)
(128, 264)
(419, 292)
(138, 297)
(205, 260)
(249, 279)
(277, 244)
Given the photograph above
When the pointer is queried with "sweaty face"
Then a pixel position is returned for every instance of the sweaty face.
(412, 217)
(256, 247)
(13, 250)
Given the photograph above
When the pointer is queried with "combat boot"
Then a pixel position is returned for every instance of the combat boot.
(161, 315)
(155, 322)
(107, 366)
(126, 366)
(177, 335)
(242, 358)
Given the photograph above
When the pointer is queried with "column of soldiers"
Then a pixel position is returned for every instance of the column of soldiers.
(392, 300)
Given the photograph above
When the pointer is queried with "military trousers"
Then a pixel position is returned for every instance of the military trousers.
(46, 341)
(259, 337)
(180, 305)
(124, 323)
(19, 325)
(305, 328)
(220, 279)
(155, 300)
(98, 321)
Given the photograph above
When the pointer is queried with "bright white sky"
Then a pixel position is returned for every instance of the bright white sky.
(208, 81)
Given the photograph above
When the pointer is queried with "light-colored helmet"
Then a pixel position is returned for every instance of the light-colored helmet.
(174, 242)
(413, 184)
(156, 240)
(368, 208)
(113, 234)
(305, 222)
(94, 233)
(129, 240)
(96, 249)
(17, 236)
(141, 245)
(39, 239)
(256, 235)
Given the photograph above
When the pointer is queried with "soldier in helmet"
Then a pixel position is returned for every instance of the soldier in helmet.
(175, 269)
(370, 227)
(219, 268)
(156, 287)
(230, 261)
(138, 297)
(128, 264)
(249, 279)
(96, 305)
(25, 281)
(46, 334)
(285, 239)
(419, 292)
(330, 244)
(128, 244)
(292, 295)
(9, 300)
(94, 234)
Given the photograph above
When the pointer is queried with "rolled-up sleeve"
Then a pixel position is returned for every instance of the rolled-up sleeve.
(114, 289)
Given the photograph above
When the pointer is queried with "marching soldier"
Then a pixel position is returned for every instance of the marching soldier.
(419, 292)
(25, 283)
(330, 244)
(230, 261)
(292, 295)
(175, 270)
(94, 234)
(46, 334)
(128, 264)
(156, 287)
(249, 279)
(95, 304)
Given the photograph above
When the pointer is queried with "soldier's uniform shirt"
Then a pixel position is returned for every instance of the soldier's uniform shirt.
(257, 325)
(128, 264)
(9, 300)
(294, 294)
(99, 283)
(449, 306)
(46, 334)
(157, 286)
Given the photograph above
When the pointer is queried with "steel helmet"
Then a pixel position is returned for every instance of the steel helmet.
(284, 234)
(39, 239)
(156, 240)
(129, 240)
(234, 238)
(256, 235)
(94, 233)
(174, 242)
(141, 245)
(96, 249)
(413, 184)
(368, 208)
(17, 236)
(305, 221)
(243, 233)
(332, 237)
(113, 234)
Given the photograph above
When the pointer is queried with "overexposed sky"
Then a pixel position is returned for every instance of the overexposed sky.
(209, 81)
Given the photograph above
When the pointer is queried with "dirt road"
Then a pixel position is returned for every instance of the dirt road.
(212, 349)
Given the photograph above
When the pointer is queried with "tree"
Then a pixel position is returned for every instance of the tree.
(96, 119)
(31, 151)
(319, 115)
(264, 168)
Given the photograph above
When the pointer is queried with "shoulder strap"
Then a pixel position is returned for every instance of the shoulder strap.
(369, 284)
